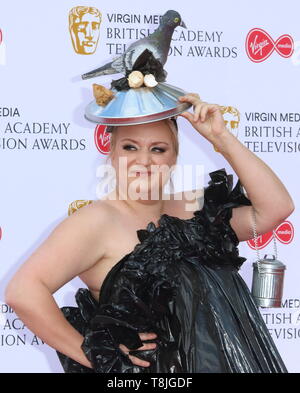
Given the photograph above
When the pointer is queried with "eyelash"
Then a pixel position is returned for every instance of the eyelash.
(159, 148)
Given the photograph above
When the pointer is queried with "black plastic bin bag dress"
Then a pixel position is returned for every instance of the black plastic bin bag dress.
(181, 282)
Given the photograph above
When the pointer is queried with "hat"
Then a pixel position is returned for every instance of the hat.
(142, 94)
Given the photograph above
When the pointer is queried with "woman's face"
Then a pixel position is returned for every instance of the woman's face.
(142, 158)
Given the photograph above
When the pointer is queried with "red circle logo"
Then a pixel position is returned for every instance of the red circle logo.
(283, 233)
(260, 45)
(102, 139)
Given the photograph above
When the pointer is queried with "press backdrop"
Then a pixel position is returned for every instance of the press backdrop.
(237, 54)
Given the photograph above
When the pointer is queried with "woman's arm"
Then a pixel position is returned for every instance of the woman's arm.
(40, 313)
(73, 247)
(269, 197)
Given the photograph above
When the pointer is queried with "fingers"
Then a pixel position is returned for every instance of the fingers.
(201, 108)
(147, 346)
(142, 348)
(193, 98)
(211, 108)
(135, 360)
(197, 111)
(139, 362)
(147, 336)
(187, 115)
(203, 112)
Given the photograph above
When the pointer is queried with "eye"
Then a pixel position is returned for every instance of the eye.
(128, 147)
(160, 149)
(176, 20)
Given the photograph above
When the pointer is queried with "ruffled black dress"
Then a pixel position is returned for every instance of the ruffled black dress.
(181, 282)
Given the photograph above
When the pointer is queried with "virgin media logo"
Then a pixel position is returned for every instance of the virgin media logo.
(260, 45)
(102, 139)
(284, 233)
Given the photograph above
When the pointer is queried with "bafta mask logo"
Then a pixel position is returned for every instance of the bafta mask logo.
(84, 27)
(75, 205)
(231, 118)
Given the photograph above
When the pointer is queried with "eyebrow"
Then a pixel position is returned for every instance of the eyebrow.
(153, 143)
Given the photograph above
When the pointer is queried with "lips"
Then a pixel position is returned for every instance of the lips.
(142, 173)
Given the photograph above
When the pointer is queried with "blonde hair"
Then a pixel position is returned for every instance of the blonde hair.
(172, 127)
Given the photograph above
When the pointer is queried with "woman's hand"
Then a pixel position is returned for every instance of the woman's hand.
(207, 118)
(134, 359)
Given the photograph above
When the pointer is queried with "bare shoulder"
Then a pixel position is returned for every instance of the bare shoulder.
(85, 223)
(91, 222)
(95, 213)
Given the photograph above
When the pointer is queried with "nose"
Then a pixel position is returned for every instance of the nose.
(143, 157)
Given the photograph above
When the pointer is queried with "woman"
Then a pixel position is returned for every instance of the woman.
(173, 302)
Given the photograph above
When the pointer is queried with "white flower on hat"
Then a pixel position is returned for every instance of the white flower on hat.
(135, 79)
(150, 81)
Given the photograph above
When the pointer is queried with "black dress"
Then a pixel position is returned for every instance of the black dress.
(181, 282)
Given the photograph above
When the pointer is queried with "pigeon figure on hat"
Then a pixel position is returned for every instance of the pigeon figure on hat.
(158, 43)
(141, 95)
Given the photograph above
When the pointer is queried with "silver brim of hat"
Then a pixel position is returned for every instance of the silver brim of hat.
(138, 106)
